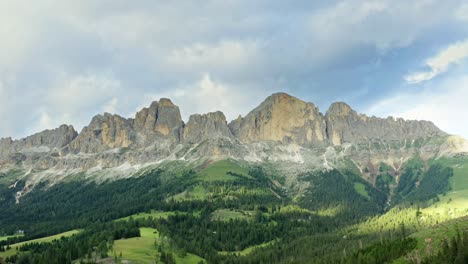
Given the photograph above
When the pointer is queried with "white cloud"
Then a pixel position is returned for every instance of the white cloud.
(384, 24)
(49, 119)
(2, 88)
(462, 12)
(75, 99)
(44, 122)
(8, 105)
(24, 28)
(227, 53)
(111, 106)
(208, 95)
(445, 105)
(440, 63)
(77, 92)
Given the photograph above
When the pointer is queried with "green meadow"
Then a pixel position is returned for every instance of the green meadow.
(12, 250)
(144, 249)
(219, 171)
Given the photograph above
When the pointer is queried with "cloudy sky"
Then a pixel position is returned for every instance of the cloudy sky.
(66, 61)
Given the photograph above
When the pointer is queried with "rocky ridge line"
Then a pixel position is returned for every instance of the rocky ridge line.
(158, 132)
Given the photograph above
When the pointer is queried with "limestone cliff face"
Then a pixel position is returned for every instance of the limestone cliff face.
(289, 120)
(161, 120)
(44, 141)
(345, 125)
(281, 128)
(169, 121)
(207, 126)
(145, 119)
(104, 132)
(284, 118)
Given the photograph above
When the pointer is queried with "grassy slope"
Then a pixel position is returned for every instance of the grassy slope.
(143, 249)
(198, 192)
(12, 251)
(452, 208)
(429, 239)
(153, 214)
(248, 250)
(439, 232)
(437, 221)
(459, 182)
(10, 177)
(218, 171)
(361, 189)
(452, 205)
(214, 172)
(6, 237)
(226, 214)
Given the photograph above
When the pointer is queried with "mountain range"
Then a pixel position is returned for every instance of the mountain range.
(283, 130)
(299, 185)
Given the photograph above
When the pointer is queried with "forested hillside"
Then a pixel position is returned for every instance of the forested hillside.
(224, 213)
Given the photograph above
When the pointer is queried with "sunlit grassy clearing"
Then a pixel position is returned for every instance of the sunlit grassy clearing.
(144, 249)
(6, 237)
(198, 192)
(248, 250)
(226, 214)
(12, 251)
(218, 171)
(153, 214)
(361, 189)
(439, 232)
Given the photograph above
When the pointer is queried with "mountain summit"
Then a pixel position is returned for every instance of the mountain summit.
(283, 118)
(282, 128)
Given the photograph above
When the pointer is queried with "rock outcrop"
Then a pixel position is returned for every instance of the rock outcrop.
(283, 118)
(161, 120)
(287, 119)
(207, 126)
(45, 141)
(345, 125)
(104, 132)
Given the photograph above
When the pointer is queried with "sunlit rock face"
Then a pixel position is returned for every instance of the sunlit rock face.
(287, 119)
(162, 120)
(104, 132)
(345, 125)
(283, 118)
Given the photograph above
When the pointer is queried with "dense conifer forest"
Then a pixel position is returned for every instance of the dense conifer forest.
(267, 222)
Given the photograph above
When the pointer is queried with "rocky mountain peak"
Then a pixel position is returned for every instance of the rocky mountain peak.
(161, 120)
(340, 109)
(207, 126)
(104, 132)
(145, 119)
(53, 138)
(169, 120)
(278, 97)
(345, 125)
(158, 132)
(166, 102)
(281, 117)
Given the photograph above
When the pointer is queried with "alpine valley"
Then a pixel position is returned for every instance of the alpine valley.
(284, 184)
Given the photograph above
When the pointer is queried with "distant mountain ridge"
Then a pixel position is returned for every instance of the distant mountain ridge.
(282, 128)
(280, 117)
